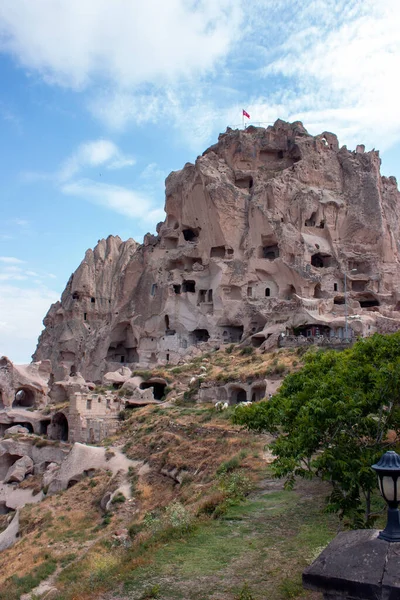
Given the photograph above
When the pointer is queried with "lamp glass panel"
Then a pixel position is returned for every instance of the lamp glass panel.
(388, 488)
(398, 488)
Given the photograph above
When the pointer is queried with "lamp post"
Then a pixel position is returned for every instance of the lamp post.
(346, 327)
(388, 471)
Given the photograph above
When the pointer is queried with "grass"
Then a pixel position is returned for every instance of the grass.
(15, 586)
(256, 549)
(218, 464)
(254, 538)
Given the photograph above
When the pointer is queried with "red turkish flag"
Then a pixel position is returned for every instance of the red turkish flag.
(246, 114)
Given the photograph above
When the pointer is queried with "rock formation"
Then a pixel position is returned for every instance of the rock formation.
(261, 235)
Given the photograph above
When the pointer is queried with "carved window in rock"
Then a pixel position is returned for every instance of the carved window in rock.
(217, 252)
(321, 261)
(289, 292)
(190, 235)
(270, 252)
(85, 316)
(249, 292)
(75, 296)
(267, 292)
(153, 290)
(318, 291)
(177, 288)
(311, 221)
(89, 404)
(92, 300)
(202, 296)
(244, 182)
(189, 286)
(335, 287)
(210, 296)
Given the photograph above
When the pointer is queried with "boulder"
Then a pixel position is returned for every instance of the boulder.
(19, 470)
(14, 429)
(50, 473)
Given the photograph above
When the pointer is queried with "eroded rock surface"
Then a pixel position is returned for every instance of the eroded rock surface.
(258, 236)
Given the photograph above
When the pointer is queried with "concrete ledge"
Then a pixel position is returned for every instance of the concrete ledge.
(356, 565)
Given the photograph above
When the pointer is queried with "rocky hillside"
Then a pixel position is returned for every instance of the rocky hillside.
(259, 236)
(181, 505)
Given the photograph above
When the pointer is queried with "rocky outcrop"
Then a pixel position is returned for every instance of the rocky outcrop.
(261, 236)
(24, 386)
(19, 470)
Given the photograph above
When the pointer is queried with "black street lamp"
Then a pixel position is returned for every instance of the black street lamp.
(388, 471)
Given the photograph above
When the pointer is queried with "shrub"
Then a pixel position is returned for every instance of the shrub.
(235, 485)
(247, 350)
(229, 465)
(118, 498)
(134, 529)
(178, 517)
(210, 503)
(124, 415)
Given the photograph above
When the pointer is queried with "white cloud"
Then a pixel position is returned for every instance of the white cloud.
(22, 311)
(94, 154)
(11, 260)
(126, 42)
(122, 200)
(339, 68)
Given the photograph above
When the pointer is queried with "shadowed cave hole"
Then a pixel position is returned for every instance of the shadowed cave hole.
(321, 261)
(60, 428)
(200, 335)
(27, 426)
(158, 388)
(190, 235)
(189, 286)
(238, 395)
(24, 398)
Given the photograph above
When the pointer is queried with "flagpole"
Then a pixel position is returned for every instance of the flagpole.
(242, 119)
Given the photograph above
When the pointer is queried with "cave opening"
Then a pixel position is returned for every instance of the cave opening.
(158, 388)
(190, 235)
(270, 252)
(59, 427)
(189, 286)
(200, 335)
(24, 398)
(321, 261)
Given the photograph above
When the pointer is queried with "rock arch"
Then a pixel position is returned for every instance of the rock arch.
(237, 394)
(24, 398)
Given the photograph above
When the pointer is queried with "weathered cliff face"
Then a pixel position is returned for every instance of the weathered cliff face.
(258, 236)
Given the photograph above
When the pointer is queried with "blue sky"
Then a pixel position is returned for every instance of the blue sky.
(101, 99)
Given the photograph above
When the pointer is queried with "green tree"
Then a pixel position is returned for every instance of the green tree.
(331, 420)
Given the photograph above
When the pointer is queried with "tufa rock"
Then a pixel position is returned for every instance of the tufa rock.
(258, 236)
(19, 470)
